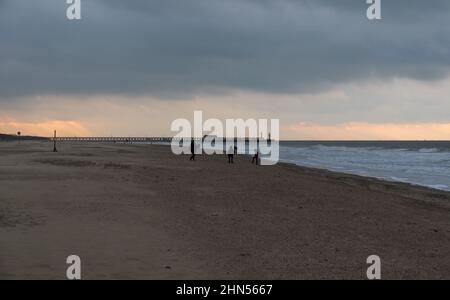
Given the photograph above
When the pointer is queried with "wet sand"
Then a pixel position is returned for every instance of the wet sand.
(140, 212)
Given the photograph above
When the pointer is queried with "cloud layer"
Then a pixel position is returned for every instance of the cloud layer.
(171, 48)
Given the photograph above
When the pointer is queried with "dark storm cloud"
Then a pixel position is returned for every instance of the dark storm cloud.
(172, 47)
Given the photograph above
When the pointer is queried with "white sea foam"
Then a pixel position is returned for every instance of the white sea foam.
(439, 187)
(428, 150)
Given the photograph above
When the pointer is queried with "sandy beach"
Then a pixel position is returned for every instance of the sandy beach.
(140, 212)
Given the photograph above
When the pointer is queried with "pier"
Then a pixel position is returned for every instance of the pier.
(114, 139)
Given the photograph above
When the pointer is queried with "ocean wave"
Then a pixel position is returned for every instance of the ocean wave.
(394, 178)
(439, 187)
(428, 150)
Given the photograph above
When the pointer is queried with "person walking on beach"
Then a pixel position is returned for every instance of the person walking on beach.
(255, 158)
(231, 155)
(192, 150)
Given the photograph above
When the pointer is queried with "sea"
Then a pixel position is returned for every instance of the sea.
(424, 163)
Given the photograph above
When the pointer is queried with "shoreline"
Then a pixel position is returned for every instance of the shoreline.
(395, 187)
(369, 177)
(139, 212)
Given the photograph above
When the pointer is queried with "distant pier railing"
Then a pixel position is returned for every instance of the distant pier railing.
(114, 139)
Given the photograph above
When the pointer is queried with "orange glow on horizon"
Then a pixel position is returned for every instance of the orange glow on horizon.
(44, 129)
(299, 131)
(369, 131)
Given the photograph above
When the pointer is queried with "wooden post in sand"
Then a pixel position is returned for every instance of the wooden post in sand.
(54, 143)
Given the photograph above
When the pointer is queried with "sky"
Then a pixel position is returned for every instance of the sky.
(129, 68)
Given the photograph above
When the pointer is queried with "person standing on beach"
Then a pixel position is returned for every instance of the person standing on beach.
(192, 150)
(231, 155)
(255, 158)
